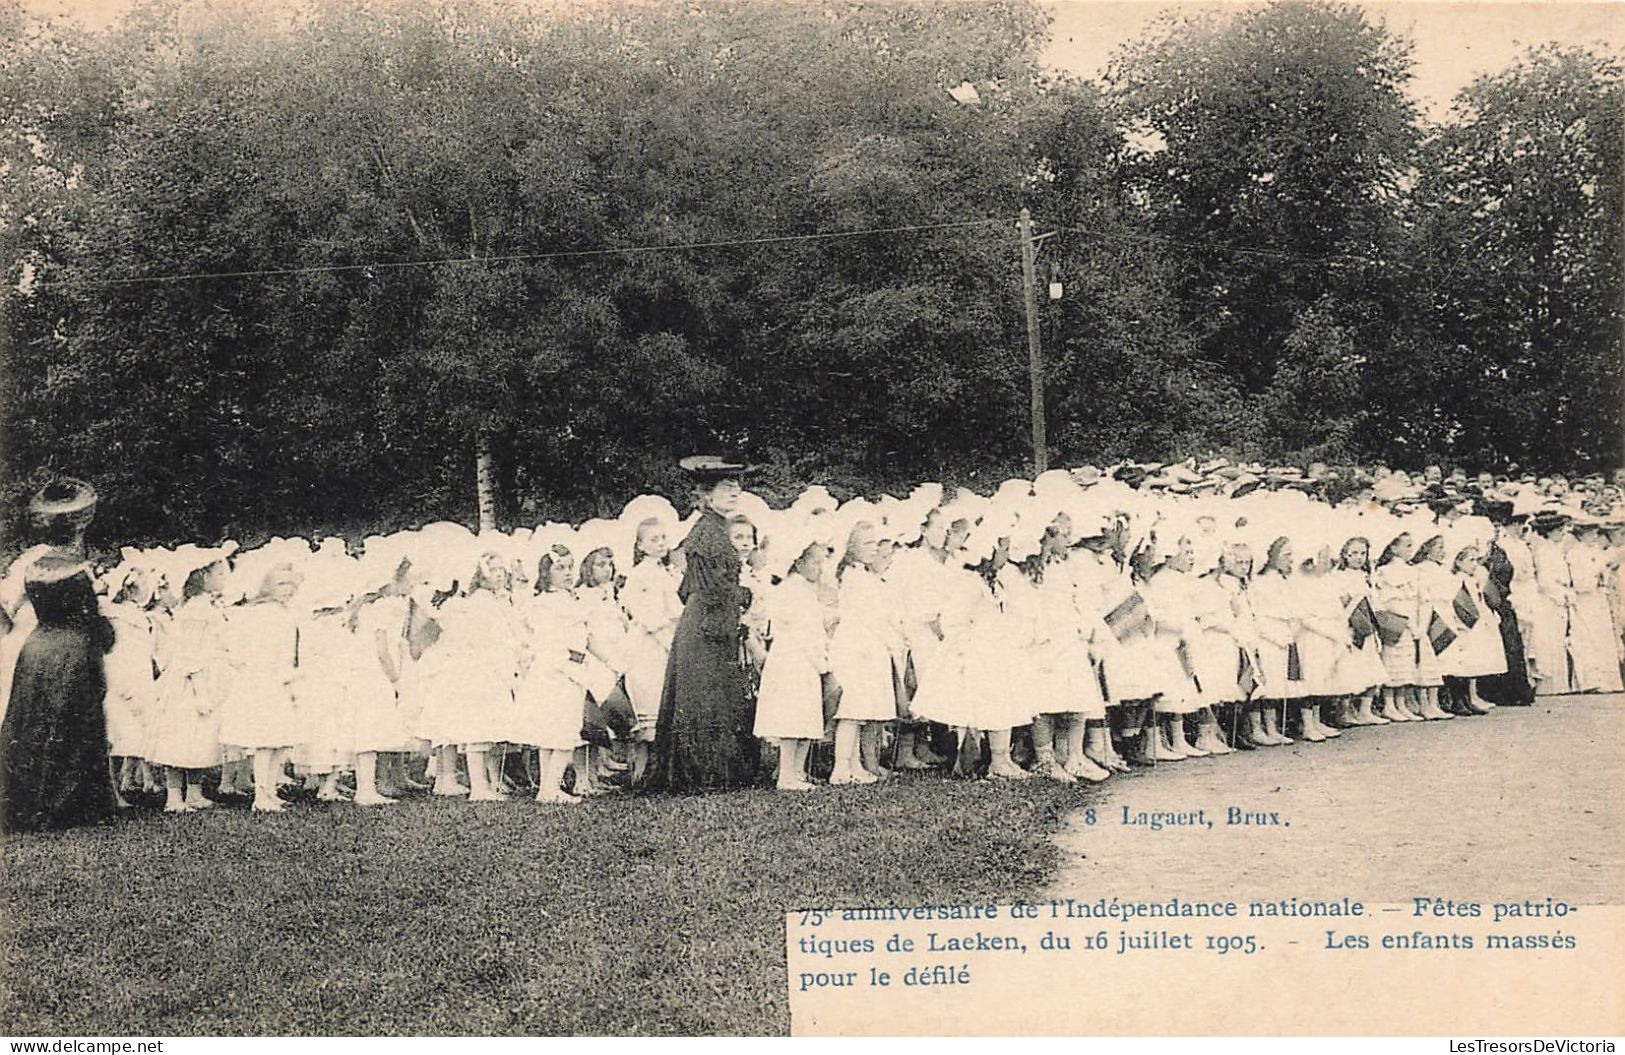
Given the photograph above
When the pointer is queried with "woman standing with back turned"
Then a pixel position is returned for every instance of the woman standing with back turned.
(53, 741)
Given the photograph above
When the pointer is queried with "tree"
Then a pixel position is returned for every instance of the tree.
(1270, 148)
(1519, 205)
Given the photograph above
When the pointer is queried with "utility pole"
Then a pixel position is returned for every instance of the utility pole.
(1035, 357)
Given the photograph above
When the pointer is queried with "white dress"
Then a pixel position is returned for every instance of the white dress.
(193, 678)
(1324, 638)
(1092, 581)
(940, 667)
(132, 685)
(1033, 648)
(1395, 589)
(1437, 593)
(467, 677)
(649, 598)
(1593, 636)
(409, 686)
(1167, 594)
(1478, 651)
(1548, 607)
(1359, 669)
(1146, 664)
(790, 701)
(861, 649)
(325, 692)
(262, 649)
(996, 681)
(1071, 685)
(1276, 610)
(559, 671)
(916, 581)
(379, 716)
(608, 634)
(1211, 641)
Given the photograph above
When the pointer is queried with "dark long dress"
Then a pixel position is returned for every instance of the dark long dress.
(1511, 688)
(703, 737)
(53, 742)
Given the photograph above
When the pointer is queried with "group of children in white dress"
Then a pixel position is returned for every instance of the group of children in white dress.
(1100, 624)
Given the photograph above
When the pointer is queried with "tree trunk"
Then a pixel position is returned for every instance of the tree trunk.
(485, 480)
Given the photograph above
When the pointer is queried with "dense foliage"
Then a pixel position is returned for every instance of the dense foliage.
(1265, 250)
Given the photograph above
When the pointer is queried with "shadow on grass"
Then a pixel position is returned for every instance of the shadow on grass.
(624, 915)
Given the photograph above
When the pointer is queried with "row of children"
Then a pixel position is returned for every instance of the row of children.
(1115, 624)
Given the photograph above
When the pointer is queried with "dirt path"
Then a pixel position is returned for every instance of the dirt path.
(1524, 802)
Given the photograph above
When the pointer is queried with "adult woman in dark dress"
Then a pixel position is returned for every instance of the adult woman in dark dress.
(1511, 688)
(703, 737)
(53, 741)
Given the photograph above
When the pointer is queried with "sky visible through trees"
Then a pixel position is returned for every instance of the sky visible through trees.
(1268, 247)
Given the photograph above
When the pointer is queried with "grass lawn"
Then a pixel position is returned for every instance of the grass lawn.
(624, 915)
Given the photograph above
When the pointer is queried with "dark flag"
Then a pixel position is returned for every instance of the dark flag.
(1131, 618)
(832, 695)
(1439, 634)
(1363, 621)
(1247, 676)
(1466, 610)
(421, 629)
(1185, 664)
(1391, 626)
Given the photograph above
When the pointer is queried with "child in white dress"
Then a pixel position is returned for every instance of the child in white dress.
(892, 610)
(1478, 651)
(1080, 635)
(860, 655)
(942, 634)
(324, 691)
(1359, 674)
(259, 713)
(468, 678)
(132, 680)
(997, 685)
(1279, 620)
(649, 598)
(1215, 648)
(1099, 585)
(1043, 634)
(193, 678)
(920, 577)
(608, 641)
(1167, 592)
(1397, 597)
(1436, 589)
(383, 660)
(557, 672)
(790, 702)
(1324, 639)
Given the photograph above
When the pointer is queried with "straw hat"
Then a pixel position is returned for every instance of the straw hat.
(706, 469)
(815, 497)
(791, 537)
(65, 500)
(649, 507)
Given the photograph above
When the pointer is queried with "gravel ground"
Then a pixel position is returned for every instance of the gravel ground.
(1523, 802)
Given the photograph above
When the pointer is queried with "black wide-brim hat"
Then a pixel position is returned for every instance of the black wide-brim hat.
(1547, 520)
(710, 468)
(64, 499)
